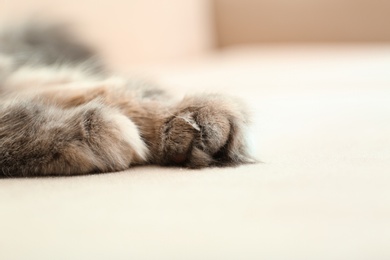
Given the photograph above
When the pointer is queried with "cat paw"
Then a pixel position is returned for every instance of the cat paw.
(112, 138)
(205, 131)
(37, 139)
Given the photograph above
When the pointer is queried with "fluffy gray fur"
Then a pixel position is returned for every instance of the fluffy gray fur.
(62, 113)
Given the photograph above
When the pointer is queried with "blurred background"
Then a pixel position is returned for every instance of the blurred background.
(147, 31)
(315, 74)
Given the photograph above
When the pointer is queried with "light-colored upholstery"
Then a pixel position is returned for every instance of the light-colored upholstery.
(249, 21)
(322, 124)
(321, 129)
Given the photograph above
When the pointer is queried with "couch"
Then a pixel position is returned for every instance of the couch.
(321, 124)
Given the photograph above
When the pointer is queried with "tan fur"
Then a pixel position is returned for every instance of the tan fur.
(65, 121)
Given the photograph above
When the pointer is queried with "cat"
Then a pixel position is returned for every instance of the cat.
(62, 112)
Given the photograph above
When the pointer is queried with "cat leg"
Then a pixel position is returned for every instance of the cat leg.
(38, 139)
(197, 132)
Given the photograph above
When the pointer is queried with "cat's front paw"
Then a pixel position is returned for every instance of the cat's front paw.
(205, 131)
(37, 139)
(112, 139)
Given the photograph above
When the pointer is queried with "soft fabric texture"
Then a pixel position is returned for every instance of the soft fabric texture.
(321, 191)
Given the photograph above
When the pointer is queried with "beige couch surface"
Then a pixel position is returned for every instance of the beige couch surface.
(249, 21)
(322, 132)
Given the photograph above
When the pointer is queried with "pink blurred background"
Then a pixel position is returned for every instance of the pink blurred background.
(135, 31)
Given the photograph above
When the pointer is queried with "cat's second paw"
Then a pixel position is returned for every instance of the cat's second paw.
(205, 131)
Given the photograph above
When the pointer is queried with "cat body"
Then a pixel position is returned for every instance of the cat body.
(62, 113)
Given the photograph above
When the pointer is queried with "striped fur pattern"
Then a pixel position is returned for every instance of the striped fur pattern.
(63, 113)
